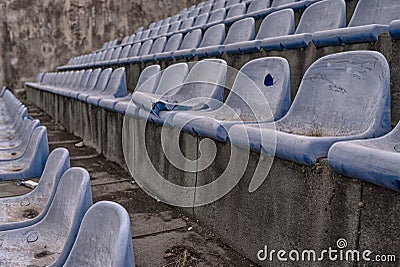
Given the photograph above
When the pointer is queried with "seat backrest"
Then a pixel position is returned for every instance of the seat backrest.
(148, 79)
(342, 94)
(174, 27)
(375, 12)
(205, 80)
(163, 30)
(71, 201)
(103, 80)
(218, 5)
(171, 78)
(258, 5)
(108, 54)
(276, 3)
(117, 83)
(214, 35)
(278, 23)
(173, 43)
(240, 31)
(231, 2)
(174, 19)
(194, 13)
(145, 35)
(200, 20)
(131, 38)
(94, 77)
(145, 48)
(330, 14)
(154, 32)
(217, 15)
(261, 89)
(125, 40)
(125, 51)
(158, 45)
(186, 24)
(192, 40)
(85, 79)
(116, 53)
(205, 9)
(107, 244)
(134, 51)
(236, 10)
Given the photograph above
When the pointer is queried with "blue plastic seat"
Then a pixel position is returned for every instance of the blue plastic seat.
(148, 81)
(31, 163)
(116, 87)
(256, 6)
(217, 16)
(206, 9)
(173, 44)
(261, 84)
(174, 27)
(240, 31)
(373, 160)
(89, 85)
(279, 23)
(107, 244)
(25, 210)
(49, 242)
(163, 30)
(194, 13)
(154, 33)
(143, 51)
(218, 5)
(370, 19)
(330, 14)
(230, 3)
(133, 52)
(100, 85)
(186, 24)
(157, 47)
(203, 86)
(236, 11)
(201, 20)
(394, 29)
(327, 109)
(189, 44)
(174, 19)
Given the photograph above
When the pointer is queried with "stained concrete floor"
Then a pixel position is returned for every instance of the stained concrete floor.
(161, 235)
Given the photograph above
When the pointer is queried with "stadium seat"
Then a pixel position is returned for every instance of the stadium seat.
(374, 160)
(31, 163)
(218, 5)
(86, 87)
(203, 85)
(370, 19)
(143, 51)
(49, 241)
(327, 109)
(157, 47)
(186, 24)
(217, 16)
(116, 87)
(109, 243)
(169, 79)
(173, 44)
(330, 14)
(395, 29)
(200, 20)
(191, 41)
(256, 6)
(236, 11)
(147, 82)
(240, 31)
(277, 3)
(100, 85)
(174, 27)
(25, 210)
(260, 85)
(206, 9)
(279, 23)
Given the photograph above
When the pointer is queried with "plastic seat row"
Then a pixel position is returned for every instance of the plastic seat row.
(53, 225)
(326, 115)
(256, 9)
(23, 142)
(86, 85)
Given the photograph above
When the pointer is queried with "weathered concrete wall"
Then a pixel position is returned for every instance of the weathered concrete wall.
(37, 36)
